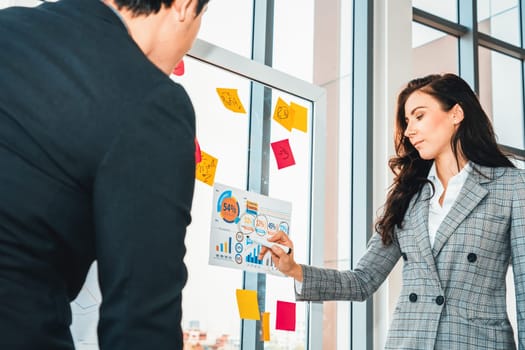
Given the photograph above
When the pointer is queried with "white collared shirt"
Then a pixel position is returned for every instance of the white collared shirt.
(436, 212)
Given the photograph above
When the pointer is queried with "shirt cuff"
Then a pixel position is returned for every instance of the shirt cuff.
(298, 286)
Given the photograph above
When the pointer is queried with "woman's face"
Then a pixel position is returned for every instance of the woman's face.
(429, 127)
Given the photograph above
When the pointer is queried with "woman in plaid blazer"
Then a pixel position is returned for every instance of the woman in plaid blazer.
(455, 214)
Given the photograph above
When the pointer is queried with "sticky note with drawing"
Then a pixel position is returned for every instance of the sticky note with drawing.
(283, 153)
(230, 99)
(206, 168)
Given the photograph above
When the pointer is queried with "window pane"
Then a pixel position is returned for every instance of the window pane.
(447, 9)
(294, 39)
(433, 51)
(501, 95)
(500, 19)
(324, 29)
(210, 311)
(292, 184)
(229, 25)
(209, 304)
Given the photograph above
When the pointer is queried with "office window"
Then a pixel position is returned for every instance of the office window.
(500, 19)
(294, 38)
(501, 95)
(229, 25)
(210, 310)
(292, 185)
(433, 51)
(313, 41)
(447, 9)
(209, 304)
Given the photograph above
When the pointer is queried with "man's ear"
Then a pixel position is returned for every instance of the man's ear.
(184, 8)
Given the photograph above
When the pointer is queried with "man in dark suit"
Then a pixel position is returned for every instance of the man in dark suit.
(96, 163)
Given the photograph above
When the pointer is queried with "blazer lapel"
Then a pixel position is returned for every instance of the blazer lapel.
(468, 198)
(420, 225)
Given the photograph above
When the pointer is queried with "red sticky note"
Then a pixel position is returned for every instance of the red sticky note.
(179, 68)
(283, 154)
(285, 318)
(198, 154)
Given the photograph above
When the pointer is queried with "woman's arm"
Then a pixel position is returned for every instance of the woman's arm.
(319, 284)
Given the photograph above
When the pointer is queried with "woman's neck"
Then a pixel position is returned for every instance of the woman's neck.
(447, 168)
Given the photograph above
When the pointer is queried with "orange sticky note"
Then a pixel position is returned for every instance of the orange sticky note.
(283, 154)
(299, 116)
(230, 99)
(285, 318)
(247, 304)
(206, 168)
(281, 114)
(265, 326)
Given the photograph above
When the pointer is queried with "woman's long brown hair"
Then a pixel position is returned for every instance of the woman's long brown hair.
(474, 139)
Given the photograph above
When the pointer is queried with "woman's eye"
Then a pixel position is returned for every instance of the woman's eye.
(418, 117)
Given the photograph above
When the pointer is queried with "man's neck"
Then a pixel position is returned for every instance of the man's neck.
(144, 30)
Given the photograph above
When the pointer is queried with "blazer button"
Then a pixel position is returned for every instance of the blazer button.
(404, 255)
(412, 297)
(440, 300)
(472, 257)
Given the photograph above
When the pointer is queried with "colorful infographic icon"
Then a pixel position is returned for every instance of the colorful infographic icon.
(228, 207)
(261, 225)
(247, 223)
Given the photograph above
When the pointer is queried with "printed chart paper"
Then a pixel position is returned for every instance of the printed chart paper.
(238, 214)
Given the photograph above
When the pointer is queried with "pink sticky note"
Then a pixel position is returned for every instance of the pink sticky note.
(285, 318)
(179, 69)
(198, 154)
(283, 154)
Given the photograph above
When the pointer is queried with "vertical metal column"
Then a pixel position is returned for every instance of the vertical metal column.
(521, 5)
(258, 157)
(362, 158)
(468, 43)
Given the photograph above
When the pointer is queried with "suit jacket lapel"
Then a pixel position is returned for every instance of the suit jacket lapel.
(468, 198)
(420, 225)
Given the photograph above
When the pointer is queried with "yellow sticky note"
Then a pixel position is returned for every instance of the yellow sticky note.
(265, 326)
(281, 114)
(206, 168)
(230, 99)
(299, 116)
(248, 305)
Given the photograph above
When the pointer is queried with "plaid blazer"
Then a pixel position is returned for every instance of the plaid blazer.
(453, 294)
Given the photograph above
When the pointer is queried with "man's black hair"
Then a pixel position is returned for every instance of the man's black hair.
(146, 7)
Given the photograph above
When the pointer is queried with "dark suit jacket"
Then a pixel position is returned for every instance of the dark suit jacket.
(96, 162)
